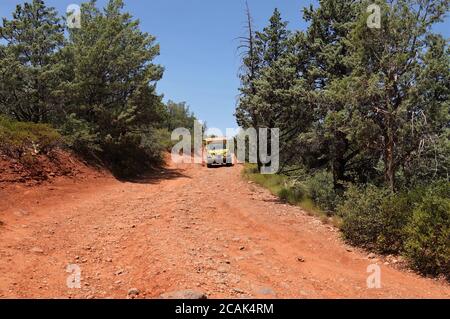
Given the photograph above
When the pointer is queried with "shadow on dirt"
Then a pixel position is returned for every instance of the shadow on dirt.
(155, 175)
(275, 201)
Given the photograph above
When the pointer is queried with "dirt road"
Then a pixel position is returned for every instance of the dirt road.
(189, 227)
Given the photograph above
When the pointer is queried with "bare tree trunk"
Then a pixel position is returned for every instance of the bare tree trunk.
(389, 159)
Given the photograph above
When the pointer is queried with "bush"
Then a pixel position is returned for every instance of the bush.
(428, 242)
(395, 213)
(414, 223)
(440, 188)
(286, 189)
(19, 139)
(154, 142)
(292, 194)
(124, 155)
(321, 190)
(284, 194)
(362, 219)
(163, 137)
(375, 218)
(133, 153)
(80, 136)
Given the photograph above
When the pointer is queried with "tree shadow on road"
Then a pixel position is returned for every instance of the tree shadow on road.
(156, 175)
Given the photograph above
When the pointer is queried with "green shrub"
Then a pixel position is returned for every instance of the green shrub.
(284, 194)
(292, 194)
(321, 190)
(428, 242)
(18, 139)
(154, 142)
(132, 154)
(80, 136)
(440, 188)
(396, 211)
(124, 155)
(163, 137)
(286, 189)
(375, 218)
(362, 218)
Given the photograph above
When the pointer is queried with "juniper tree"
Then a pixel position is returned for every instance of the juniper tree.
(399, 87)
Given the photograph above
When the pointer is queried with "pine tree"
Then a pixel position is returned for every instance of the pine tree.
(31, 68)
(327, 49)
(111, 92)
(113, 84)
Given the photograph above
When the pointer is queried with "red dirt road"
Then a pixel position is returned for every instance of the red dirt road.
(187, 228)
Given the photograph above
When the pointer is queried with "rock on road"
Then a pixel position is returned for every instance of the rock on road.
(187, 228)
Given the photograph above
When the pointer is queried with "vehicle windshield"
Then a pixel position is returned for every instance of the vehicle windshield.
(215, 146)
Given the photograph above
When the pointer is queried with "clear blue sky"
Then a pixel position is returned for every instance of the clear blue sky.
(198, 41)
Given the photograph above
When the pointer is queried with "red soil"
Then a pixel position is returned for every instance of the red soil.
(185, 227)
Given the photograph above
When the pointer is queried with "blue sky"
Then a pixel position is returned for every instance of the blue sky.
(198, 41)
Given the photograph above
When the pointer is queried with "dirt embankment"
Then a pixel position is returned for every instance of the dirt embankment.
(42, 168)
(185, 227)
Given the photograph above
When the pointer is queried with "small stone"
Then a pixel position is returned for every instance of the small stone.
(241, 248)
(37, 250)
(133, 292)
(300, 259)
